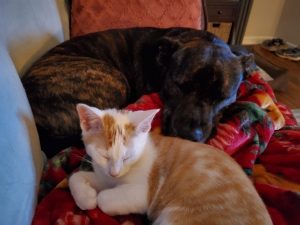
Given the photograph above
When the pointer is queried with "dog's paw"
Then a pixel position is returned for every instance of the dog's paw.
(84, 195)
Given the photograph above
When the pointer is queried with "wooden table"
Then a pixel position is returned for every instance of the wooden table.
(289, 81)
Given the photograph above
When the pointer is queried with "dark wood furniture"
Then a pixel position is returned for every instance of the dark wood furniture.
(228, 18)
(286, 82)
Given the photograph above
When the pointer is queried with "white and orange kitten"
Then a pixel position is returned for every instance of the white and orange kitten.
(174, 181)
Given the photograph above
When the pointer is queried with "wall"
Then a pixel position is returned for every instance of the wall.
(289, 24)
(30, 27)
(263, 20)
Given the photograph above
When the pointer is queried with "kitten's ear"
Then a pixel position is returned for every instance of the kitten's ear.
(89, 119)
(143, 119)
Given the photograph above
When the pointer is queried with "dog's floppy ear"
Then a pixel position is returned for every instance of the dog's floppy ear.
(248, 63)
(246, 58)
(165, 48)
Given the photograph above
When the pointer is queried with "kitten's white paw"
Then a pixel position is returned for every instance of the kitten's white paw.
(107, 203)
(84, 195)
(86, 198)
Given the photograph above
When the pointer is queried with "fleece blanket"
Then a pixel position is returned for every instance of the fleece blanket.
(257, 131)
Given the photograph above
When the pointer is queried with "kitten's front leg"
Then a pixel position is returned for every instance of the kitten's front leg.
(123, 199)
(84, 188)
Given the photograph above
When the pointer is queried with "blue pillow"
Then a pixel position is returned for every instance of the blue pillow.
(20, 156)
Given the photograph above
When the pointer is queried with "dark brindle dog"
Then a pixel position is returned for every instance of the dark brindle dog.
(195, 73)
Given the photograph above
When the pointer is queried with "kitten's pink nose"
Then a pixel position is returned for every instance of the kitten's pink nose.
(113, 173)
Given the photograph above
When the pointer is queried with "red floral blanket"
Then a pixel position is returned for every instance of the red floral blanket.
(257, 131)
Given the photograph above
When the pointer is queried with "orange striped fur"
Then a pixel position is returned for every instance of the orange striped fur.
(202, 185)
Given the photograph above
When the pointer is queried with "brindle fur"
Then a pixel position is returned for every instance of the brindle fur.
(195, 73)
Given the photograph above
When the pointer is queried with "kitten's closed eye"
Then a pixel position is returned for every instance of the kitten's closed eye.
(128, 155)
(126, 158)
(106, 157)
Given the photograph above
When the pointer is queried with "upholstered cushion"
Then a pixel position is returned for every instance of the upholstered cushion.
(96, 15)
(20, 161)
(30, 28)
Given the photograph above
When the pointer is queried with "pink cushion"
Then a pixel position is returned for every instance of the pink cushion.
(97, 15)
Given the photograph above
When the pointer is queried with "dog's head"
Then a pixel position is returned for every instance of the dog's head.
(201, 77)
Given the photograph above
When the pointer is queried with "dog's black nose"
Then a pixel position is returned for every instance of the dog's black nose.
(197, 134)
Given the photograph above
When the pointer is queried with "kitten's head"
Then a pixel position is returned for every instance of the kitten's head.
(114, 139)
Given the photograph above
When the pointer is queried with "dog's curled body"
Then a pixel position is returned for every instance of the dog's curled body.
(195, 73)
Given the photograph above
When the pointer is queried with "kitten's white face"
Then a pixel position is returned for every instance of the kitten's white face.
(114, 139)
(112, 147)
